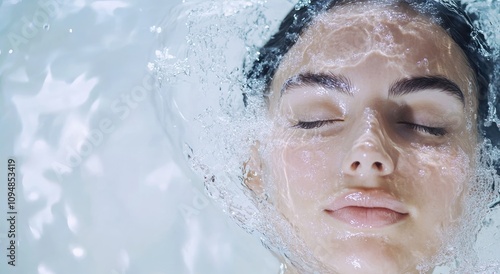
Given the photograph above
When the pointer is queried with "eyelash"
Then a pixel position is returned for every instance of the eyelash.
(313, 124)
(436, 131)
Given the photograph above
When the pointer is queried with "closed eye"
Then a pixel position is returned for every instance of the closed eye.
(314, 124)
(436, 131)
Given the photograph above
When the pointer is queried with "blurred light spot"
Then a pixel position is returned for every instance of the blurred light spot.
(33, 196)
(42, 269)
(71, 220)
(78, 252)
(163, 176)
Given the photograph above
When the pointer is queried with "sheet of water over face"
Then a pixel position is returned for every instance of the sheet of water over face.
(97, 186)
(95, 177)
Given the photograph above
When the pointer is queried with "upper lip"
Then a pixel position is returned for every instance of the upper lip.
(368, 199)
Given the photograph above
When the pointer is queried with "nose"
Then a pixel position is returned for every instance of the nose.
(368, 158)
(369, 155)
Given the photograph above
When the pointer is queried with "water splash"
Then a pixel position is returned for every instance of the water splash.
(222, 35)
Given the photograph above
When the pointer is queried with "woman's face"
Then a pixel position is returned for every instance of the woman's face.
(373, 138)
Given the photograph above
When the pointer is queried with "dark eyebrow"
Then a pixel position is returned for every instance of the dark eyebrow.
(326, 80)
(416, 84)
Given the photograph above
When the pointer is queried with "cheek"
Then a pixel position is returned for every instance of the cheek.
(440, 180)
(304, 170)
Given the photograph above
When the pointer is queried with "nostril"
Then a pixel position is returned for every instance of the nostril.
(355, 165)
(378, 166)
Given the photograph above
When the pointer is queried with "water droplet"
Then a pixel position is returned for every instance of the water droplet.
(11, 51)
(151, 66)
(46, 27)
(421, 173)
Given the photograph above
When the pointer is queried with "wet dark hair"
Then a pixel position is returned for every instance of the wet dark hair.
(451, 15)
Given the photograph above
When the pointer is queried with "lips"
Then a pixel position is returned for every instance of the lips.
(367, 209)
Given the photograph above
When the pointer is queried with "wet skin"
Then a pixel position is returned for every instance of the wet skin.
(373, 139)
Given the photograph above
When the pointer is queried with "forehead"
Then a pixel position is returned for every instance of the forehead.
(345, 36)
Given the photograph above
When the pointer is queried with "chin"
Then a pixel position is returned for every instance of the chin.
(368, 256)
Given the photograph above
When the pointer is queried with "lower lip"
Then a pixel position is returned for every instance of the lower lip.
(366, 217)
